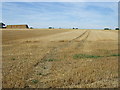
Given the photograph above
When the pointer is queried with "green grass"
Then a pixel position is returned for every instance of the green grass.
(114, 55)
(78, 56)
(35, 81)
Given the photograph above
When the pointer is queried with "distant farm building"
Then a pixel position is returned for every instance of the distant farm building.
(17, 26)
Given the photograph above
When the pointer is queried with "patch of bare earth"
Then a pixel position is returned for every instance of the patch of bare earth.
(65, 59)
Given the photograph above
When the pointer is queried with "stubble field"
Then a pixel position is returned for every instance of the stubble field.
(60, 58)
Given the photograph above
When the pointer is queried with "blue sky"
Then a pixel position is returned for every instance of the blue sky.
(91, 15)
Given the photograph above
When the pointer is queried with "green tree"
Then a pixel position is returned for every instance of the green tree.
(106, 29)
(2, 25)
(117, 29)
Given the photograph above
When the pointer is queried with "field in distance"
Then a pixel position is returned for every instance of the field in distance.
(60, 58)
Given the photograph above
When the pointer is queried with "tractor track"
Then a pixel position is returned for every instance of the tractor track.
(55, 49)
(51, 54)
(82, 42)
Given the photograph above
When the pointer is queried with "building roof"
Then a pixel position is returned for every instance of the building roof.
(18, 26)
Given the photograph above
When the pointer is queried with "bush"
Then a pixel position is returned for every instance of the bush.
(74, 28)
(31, 27)
(51, 27)
(117, 29)
(106, 29)
(2, 25)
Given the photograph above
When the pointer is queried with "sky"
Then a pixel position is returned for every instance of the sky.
(60, 0)
(84, 15)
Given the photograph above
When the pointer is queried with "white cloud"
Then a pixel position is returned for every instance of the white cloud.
(72, 15)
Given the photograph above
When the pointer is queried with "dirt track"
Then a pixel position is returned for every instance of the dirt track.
(79, 58)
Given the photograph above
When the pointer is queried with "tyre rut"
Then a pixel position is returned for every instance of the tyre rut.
(52, 53)
(55, 49)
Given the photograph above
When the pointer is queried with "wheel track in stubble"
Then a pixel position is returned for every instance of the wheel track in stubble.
(51, 53)
(54, 51)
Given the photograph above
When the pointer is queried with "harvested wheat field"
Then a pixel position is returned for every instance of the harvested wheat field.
(60, 58)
